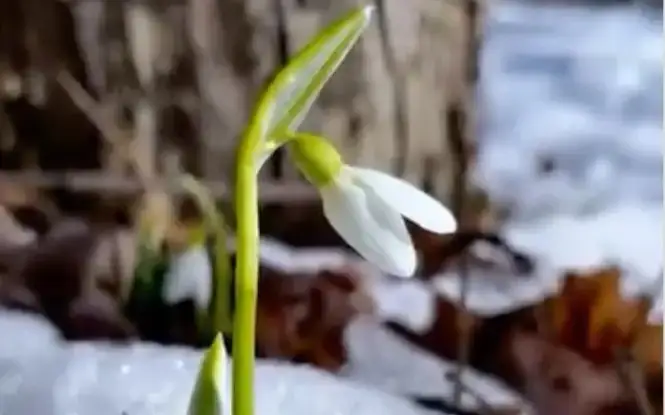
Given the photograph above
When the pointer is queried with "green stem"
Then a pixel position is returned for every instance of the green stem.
(246, 284)
(220, 319)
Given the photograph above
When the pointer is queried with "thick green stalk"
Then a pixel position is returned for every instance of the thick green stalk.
(246, 283)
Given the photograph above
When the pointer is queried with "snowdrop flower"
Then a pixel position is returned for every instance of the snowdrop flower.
(366, 207)
(189, 277)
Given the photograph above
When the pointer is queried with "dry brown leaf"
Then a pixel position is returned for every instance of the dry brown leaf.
(557, 381)
(647, 349)
(73, 276)
(303, 317)
(593, 318)
(575, 370)
(438, 252)
(611, 332)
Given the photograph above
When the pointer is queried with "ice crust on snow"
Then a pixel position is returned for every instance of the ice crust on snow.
(51, 378)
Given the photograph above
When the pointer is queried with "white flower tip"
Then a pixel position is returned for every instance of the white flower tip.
(443, 221)
(404, 263)
(408, 200)
(368, 11)
(405, 269)
(401, 263)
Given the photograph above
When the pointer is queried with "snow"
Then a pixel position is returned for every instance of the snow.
(39, 373)
(379, 357)
(391, 299)
(54, 378)
(581, 88)
(277, 255)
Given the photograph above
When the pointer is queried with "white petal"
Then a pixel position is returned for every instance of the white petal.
(189, 278)
(377, 232)
(408, 200)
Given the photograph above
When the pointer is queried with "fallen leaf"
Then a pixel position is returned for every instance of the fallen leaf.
(303, 317)
(591, 316)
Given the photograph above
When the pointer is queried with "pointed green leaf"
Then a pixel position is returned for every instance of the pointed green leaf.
(288, 98)
(210, 394)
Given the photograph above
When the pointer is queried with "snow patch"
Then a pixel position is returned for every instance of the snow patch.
(55, 378)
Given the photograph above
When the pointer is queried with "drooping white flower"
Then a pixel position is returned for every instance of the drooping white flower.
(189, 277)
(367, 207)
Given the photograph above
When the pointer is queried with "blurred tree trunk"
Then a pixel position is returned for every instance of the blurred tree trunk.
(182, 76)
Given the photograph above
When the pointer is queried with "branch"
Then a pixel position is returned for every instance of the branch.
(96, 182)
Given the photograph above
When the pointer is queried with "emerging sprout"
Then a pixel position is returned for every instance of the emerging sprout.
(210, 394)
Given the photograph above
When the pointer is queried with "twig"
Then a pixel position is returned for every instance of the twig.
(633, 378)
(656, 291)
(459, 128)
(485, 407)
(441, 405)
(96, 182)
(115, 136)
(137, 151)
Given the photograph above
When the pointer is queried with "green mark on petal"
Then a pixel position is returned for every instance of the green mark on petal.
(316, 157)
(210, 389)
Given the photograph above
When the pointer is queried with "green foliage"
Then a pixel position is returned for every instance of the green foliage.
(145, 306)
(220, 319)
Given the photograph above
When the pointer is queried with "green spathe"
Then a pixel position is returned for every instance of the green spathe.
(285, 103)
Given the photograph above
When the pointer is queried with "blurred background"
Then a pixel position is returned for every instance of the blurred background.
(181, 78)
(539, 123)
